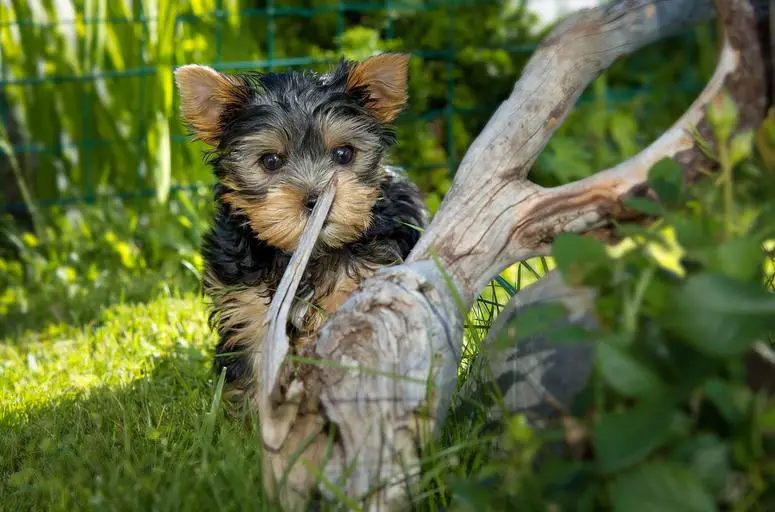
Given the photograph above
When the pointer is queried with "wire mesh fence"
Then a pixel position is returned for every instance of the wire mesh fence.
(88, 102)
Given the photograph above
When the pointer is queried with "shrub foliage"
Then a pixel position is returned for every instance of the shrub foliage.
(672, 417)
(90, 106)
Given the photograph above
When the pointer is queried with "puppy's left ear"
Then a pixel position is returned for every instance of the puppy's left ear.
(385, 78)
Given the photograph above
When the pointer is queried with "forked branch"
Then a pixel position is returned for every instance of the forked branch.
(389, 356)
(490, 189)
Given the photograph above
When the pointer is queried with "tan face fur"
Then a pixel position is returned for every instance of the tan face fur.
(306, 126)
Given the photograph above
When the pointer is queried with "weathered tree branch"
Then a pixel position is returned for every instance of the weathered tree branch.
(276, 342)
(575, 53)
(389, 356)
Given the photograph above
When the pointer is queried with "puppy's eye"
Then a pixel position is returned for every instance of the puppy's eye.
(271, 161)
(343, 155)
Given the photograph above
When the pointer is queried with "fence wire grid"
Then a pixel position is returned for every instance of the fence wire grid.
(87, 98)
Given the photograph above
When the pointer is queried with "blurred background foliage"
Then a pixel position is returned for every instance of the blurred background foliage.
(101, 184)
(89, 103)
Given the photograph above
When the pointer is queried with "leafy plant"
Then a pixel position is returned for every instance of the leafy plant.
(668, 420)
(92, 110)
(93, 257)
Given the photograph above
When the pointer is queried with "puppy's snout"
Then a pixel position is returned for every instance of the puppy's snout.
(311, 200)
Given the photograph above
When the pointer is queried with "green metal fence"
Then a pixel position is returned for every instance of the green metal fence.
(88, 102)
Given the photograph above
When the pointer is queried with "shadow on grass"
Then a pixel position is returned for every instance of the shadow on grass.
(147, 446)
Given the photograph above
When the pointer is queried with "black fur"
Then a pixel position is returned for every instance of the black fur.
(294, 103)
(239, 259)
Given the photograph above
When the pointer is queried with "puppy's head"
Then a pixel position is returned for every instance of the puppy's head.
(278, 138)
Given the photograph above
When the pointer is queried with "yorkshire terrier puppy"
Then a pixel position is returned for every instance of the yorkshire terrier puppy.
(276, 139)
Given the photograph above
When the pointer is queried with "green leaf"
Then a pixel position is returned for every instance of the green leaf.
(722, 113)
(718, 315)
(644, 205)
(634, 230)
(571, 333)
(566, 158)
(475, 494)
(740, 147)
(730, 401)
(549, 320)
(622, 439)
(767, 420)
(739, 258)
(162, 167)
(580, 259)
(660, 487)
(764, 225)
(666, 179)
(624, 373)
(690, 230)
(658, 291)
(708, 457)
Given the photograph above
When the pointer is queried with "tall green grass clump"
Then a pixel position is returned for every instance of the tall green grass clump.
(88, 96)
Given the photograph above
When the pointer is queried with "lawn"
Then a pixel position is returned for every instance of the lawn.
(106, 396)
(121, 414)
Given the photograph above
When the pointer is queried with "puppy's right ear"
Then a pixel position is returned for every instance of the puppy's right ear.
(204, 95)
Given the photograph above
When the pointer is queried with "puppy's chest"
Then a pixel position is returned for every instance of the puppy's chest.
(323, 289)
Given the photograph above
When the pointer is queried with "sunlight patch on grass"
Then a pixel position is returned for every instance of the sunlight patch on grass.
(125, 342)
(494, 298)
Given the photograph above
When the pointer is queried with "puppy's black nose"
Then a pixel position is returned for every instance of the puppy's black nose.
(312, 199)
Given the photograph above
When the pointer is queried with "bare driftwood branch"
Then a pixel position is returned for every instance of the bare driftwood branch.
(388, 358)
(573, 55)
(276, 342)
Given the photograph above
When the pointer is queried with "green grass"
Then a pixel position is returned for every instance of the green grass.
(117, 415)
(107, 400)
(120, 414)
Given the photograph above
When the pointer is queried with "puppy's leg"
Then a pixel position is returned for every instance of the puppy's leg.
(239, 319)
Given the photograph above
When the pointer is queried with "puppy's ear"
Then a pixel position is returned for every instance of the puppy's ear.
(204, 94)
(385, 78)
